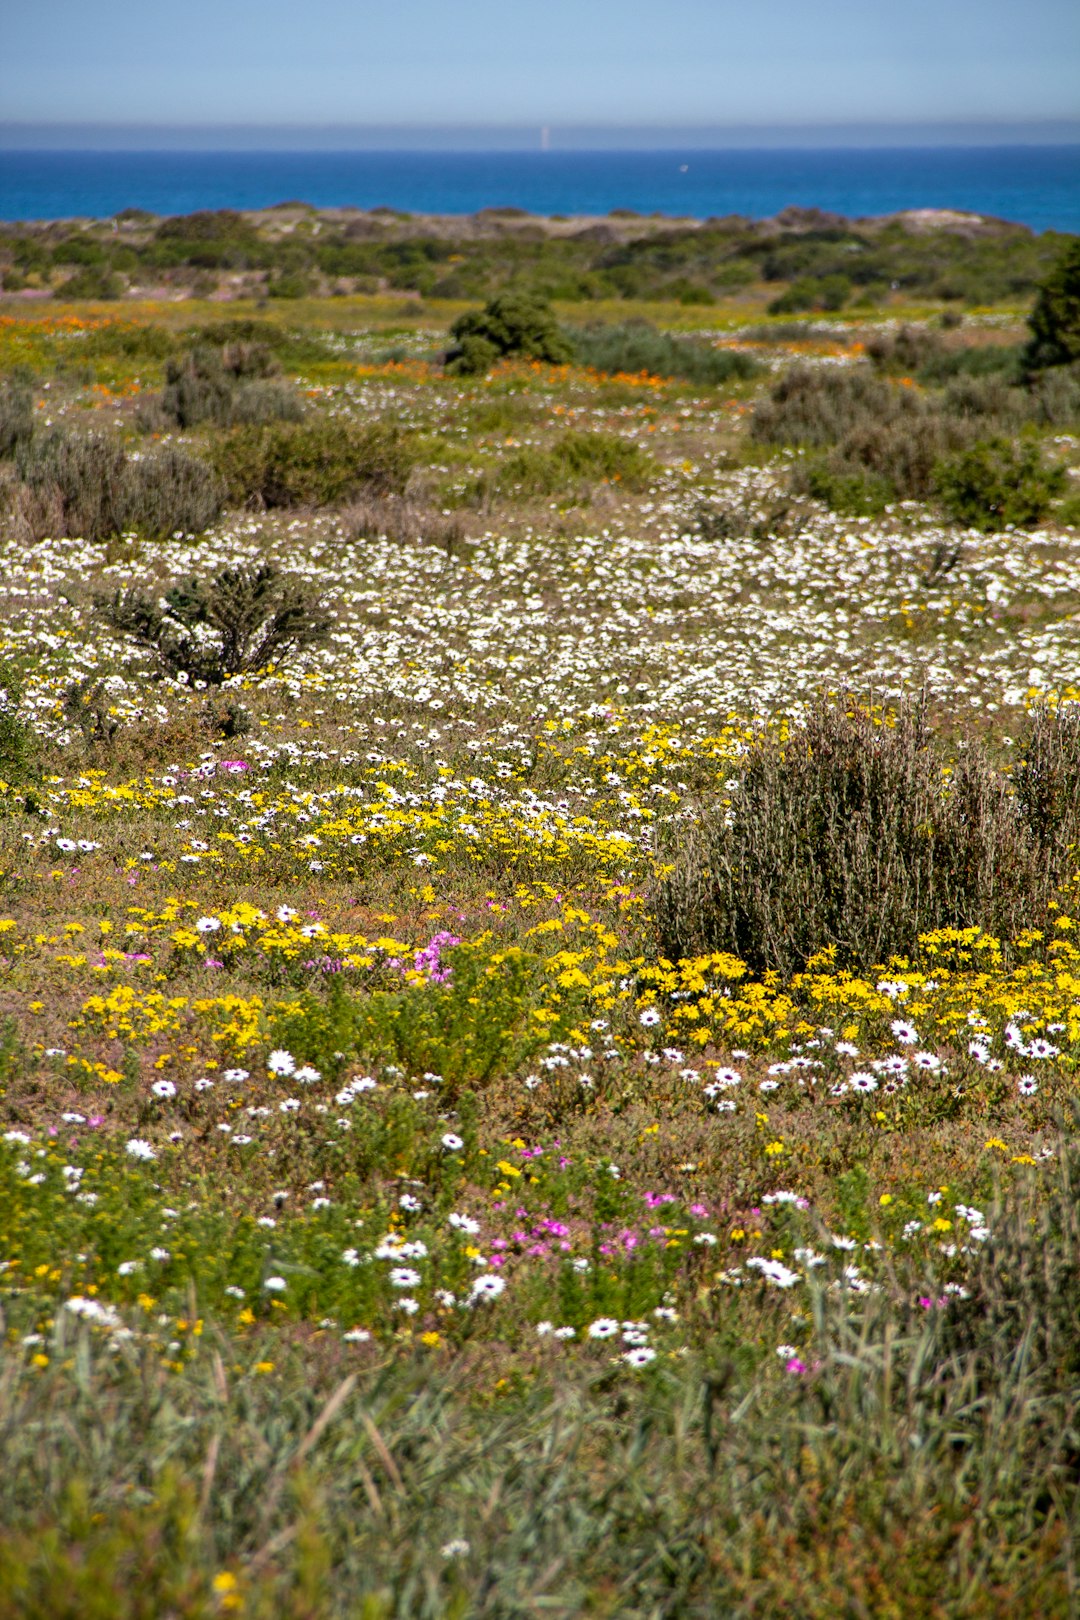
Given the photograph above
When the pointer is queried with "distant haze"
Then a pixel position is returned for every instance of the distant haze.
(495, 71)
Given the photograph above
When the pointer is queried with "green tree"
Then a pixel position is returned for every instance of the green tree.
(1055, 319)
(513, 322)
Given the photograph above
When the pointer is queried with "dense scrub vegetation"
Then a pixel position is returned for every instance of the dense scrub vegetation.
(821, 262)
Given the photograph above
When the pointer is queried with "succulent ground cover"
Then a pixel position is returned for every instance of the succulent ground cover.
(394, 1218)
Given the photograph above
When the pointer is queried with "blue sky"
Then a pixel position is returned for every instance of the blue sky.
(566, 62)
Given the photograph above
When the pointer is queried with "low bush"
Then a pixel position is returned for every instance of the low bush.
(852, 491)
(637, 346)
(1055, 396)
(996, 484)
(169, 492)
(19, 746)
(317, 463)
(16, 413)
(852, 835)
(511, 323)
(99, 284)
(233, 624)
(83, 485)
(820, 407)
(575, 462)
(904, 453)
(74, 483)
(809, 292)
(228, 386)
(395, 517)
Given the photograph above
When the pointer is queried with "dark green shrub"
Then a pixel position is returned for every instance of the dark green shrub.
(996, 483)
(855, 492)
(293, 284)
(637, 346)
(827, 293)
(16, 413)
(94, 283)
(237, 622)
(511, 323)
(849, 834)
(1055, 319)
(318, 463)
(473, 356)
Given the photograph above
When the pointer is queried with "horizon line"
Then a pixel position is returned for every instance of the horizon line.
(570, 136)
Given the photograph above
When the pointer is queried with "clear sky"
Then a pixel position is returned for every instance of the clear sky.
(562, 62)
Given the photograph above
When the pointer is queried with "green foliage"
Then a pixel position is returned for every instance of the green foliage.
(928, 1463)
(574, 463)
(888, 442)
(996, 483)
(98, 284)
(468, 1023)
(316, 463)
(512, 323)
(20, 749)
(16, 413)
(83, 485)
(853, 491)
(849, 835)
(826, 293)
(238, 622)
(637, 346)
(1055, 319)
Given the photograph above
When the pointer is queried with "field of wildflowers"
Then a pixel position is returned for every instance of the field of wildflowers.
(388, 1227)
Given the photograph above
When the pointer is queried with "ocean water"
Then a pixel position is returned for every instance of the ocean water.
(1038, 186)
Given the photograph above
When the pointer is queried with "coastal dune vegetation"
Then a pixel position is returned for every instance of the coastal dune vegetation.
(540, 849)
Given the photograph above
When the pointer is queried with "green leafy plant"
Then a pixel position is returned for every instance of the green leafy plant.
(512, 323)
(240, 620)
(317, 463)
(637, 346)
(997, 484)
(575, 462)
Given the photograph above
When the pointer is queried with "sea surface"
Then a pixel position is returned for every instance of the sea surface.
(1037, 186)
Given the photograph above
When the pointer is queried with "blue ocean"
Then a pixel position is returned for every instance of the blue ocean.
(1038, 186)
